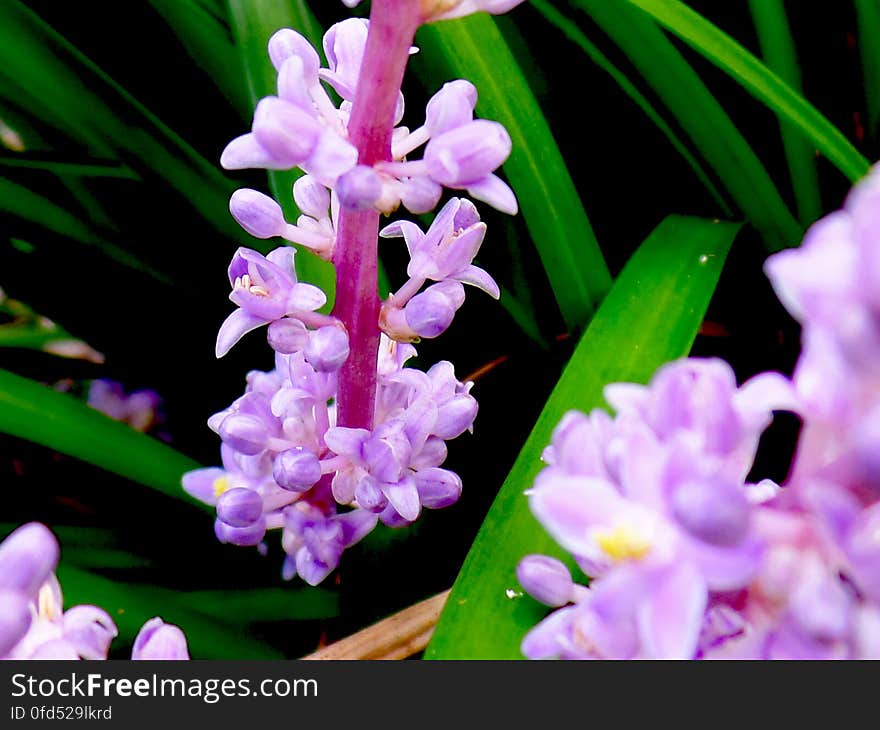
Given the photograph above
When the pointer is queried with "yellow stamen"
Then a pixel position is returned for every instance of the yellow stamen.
(221, 485)
(46, 603)
(621, 543)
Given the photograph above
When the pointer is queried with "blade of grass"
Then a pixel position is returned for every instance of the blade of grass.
(131, 604)
(536, 169)
(263, 604)
(62, 87)
(24, 204)
(60, 422)
(701, 116)
(777, 47)
(108, 169)
(723, 51)
(253, 23)
(868, 17)
(574, 34)
(651, 316)
(208, 42)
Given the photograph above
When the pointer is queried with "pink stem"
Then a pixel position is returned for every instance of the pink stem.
(393, 24)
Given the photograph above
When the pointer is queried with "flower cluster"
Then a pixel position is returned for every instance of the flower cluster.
(33, 624)
(687, 559)
(301, 127)
(341, 435)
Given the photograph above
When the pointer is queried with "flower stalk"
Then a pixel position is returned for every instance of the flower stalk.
(393, 24)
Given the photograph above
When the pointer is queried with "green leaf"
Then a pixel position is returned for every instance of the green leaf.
(58, 421)
(651, 316)
(57, 84)
(701, 116)
(576, 36)
(24, 204)
(264, 604)
(253, 23)
(108, 169)
(132, 604)
(210, 46)
(722, 50)
(868, 15)
(777, 47)
(97, 558)
(536, 169)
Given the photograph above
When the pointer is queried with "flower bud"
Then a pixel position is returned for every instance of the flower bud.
(158, 640)
(546, 579)
(258, 214)
(327, 349)
(438, 488)
(467, 153)
(717, 513)
(296, 469)
(430, 313)
(244, 433)
(420, 194)
(242, 536)
(287, 335)
(285, 131)
(451, 107)
(311, 197)
(359, 188)
(27, 558)
(285, 43)
(240, 507)
(456, 416)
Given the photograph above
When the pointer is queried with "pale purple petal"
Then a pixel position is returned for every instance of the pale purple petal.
(28, 557)
(234, 327)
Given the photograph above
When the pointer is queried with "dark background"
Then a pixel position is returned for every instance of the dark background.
(162, 338)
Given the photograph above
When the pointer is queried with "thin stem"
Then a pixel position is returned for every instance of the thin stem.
(393, 24)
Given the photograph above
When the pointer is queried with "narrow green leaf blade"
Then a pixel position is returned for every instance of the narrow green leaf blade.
(651, 316)
(42, 71)
(536, 169)
(777, 47)
(722, 50)
(37, 413)
(701, 116)
(132, 604)
(264, 604)
(210, 46)
(571, 31)
(27, 205)
(868, 15)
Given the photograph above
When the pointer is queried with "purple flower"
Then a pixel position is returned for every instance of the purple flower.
(448, 248)
(158, 640)
(81, 632)
(314, 541)
(28, 557)
(265, 288)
